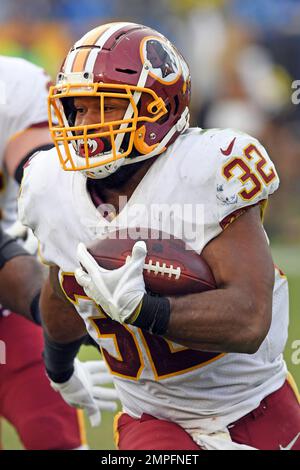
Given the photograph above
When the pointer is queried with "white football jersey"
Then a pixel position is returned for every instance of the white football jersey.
(222, 171)
(23, 103)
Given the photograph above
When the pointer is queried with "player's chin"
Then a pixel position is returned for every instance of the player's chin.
(120, 176)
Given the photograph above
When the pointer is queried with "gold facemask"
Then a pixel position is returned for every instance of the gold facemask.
(80, 155)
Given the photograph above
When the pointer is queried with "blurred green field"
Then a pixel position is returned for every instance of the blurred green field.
(288, 260)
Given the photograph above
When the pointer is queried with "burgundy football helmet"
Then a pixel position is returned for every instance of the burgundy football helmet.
(128, 61)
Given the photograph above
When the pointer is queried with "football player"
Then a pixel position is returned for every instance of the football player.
(200, 371)
(41, 418)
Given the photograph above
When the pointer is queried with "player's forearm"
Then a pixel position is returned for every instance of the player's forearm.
(223, 320)
(20, 283)
(59, 318)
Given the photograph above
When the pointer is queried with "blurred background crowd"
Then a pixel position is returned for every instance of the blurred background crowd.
(244, 56)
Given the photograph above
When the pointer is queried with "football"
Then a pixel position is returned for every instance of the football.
(170, 268)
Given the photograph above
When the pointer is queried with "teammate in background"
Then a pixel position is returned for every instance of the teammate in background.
(41, 418)
(21, 279)
(201, 371)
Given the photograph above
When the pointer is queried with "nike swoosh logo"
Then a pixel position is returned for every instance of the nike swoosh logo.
(228, 151)
(290, 445)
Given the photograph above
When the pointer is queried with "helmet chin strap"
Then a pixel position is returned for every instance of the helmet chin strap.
(103, 172)
(181, 125)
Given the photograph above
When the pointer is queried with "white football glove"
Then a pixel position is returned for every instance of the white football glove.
(118, 291)
(24, 235)
(82, 389)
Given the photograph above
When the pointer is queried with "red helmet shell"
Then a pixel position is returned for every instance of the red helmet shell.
(116, 53)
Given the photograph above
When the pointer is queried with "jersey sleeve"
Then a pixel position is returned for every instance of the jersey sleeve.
(246, 176)
(28, 105)
(26, 200)
(31, 200)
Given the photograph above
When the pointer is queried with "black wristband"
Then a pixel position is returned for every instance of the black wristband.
(35, 309)
(59, 358)
(154, 315)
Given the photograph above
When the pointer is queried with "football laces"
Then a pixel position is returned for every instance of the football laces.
(160, 268)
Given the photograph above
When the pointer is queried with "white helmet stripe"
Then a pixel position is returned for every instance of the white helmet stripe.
(81, 41)
(70, 60)
(94, 52)
(100, 43)
(71, 56)
(181, 125)
(136, 97)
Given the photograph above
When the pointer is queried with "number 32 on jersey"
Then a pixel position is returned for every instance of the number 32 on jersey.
(125, 357)
(253, 168)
